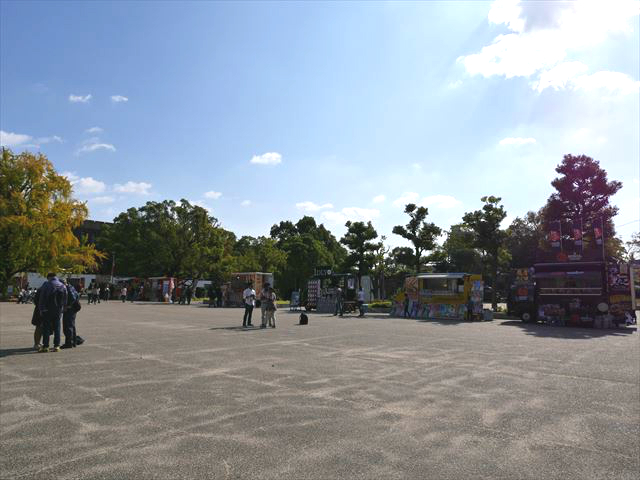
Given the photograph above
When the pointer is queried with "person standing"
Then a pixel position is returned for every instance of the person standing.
(123, 294)
(36, 320)
(107, 293)
(271, 307)
(69, 316)
(264, 297)
(52, 301)
(339, 308)
(361, 302)
(405, 302)
(189, 295)
(249, 297)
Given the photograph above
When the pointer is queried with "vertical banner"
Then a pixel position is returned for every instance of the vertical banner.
(555, 235)
(577, 234)
(597, 230)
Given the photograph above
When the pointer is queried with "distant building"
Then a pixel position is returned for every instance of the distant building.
(90, 229)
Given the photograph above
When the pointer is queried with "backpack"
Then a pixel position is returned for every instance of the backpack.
(304, 319)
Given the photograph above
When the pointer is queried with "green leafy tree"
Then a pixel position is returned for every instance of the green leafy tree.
(488, 236)
(458, 252)
(583, 191)
(259, 255)
(418, 231)
(168, 238)
(358, 240)
(37, 217)
(525, 236)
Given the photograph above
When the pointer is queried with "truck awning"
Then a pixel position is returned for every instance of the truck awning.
(442, 275)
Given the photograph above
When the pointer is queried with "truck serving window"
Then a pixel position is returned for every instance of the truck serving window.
(570, 283)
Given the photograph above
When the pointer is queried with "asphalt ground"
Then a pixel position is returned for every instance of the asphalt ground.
(166, 391)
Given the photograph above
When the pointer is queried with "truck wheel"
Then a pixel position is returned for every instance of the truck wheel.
(526, 316)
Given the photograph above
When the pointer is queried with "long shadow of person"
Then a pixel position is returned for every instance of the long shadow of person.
(7, 352)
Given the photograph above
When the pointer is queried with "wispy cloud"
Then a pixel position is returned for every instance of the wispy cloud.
(94, 130)
(93, 146)
(379, 199)
(10, 139)
(119, 99)
(517, 141)
(312, 207)
(102, 200)
(406, 197)
(85, 185)
(138, 188)
(573, 76)
(245, 203)
(270, 158)
(440, 201)
(213, 195)
(80, 98)
(355, 214)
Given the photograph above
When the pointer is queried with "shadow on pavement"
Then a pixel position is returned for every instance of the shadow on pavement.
(240, 329)
(7, 352)
(570, 333)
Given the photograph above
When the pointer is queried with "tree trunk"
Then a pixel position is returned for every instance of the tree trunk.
(418, 261)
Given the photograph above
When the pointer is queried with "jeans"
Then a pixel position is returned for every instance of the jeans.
(263, 311)
(246, 320)
(69, 327)
(271, 318)
(361, 308)
(338, 309)
(51, 321)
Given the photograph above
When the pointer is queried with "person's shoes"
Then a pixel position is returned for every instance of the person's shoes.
(263, 326)
(273, 326)
(43, 349)
(37, 346)
(250, 325)
(79, 340)
(55, 349)
(67, 345)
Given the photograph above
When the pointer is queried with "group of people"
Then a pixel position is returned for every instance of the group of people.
(55, 301)
(266, 302)
(26, 295)
(95, 293)
(340, 302)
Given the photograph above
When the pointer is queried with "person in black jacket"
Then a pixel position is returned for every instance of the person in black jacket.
(69, 316)
(53, 298)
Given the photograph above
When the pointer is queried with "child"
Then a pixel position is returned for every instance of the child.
(271, 308)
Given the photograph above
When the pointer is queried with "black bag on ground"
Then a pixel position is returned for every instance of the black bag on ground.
(75, 306)
(304, 319)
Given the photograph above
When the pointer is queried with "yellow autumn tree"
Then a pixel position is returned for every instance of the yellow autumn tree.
(37, 218)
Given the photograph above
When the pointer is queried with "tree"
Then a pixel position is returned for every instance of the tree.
(458, 252)
(168, 238)
(524, 238)
(361, 248)
(418, 231)
(259, 255)
(488, 236)
(307, 246)
(633, 246)
(583, 191)
(37, 218)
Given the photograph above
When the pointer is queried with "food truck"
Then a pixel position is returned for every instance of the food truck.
(455, 296)
(322, 290)
(592, 294)
(232, 290)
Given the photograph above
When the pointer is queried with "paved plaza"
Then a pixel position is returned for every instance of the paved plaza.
(167, 391)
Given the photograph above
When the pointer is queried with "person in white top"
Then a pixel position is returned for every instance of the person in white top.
(123, 294)
(361, 301)
(249, 297)
(264, 298)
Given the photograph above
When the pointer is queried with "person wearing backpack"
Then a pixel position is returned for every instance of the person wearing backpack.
(53, 298)
(71, 308)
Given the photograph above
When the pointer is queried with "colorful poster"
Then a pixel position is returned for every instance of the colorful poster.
(577, 234)
(555, 235)
(598, 231)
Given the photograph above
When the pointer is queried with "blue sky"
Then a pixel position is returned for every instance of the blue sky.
(269, 111)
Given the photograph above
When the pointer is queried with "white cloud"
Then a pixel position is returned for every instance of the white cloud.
(454, 85)
(102, 200)
(355, 214)
(79, 98)
(517, 141)
(53, 138)
(138, 188)
(406, 197)
(312, 207)
(571, 75)
(87, 185)
(270, 158)
(543, 34)
(10, 139)
(118, 98)
(92, 146)
(213, 195)
(441, 201)
(94, 130)
(245, 203)
(379, 199)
